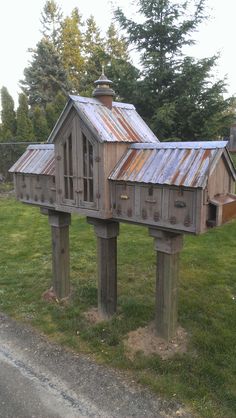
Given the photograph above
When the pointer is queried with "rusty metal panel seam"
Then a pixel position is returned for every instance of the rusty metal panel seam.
(170, 165)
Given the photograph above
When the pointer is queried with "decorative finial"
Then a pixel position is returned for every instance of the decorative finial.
(103, 90)
(103, 69)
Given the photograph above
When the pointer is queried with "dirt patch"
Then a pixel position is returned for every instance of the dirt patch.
(51, 297)
(146, 341)
(94, 316)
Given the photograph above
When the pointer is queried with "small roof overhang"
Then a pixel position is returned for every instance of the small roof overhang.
(187, 164)
(37, 159)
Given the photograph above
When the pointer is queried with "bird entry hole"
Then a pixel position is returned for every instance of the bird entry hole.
(150, 191)
(211, 221)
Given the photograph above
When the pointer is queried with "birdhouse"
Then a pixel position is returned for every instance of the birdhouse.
(103, 161)
(180, 186)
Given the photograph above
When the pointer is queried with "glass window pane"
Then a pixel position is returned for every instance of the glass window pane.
(90, 190)
(90, 160)
(85, 190)
(85, 162)
(71, 191)
(70, 151)
(66, 188)
(65, 158)
(87, 169)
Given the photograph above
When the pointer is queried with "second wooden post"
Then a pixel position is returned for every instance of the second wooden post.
(106, 233)
(168, 246)
(60, 222)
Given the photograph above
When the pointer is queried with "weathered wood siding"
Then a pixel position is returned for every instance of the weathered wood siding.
(110, 154)
(36, 189)
(215, 203)
(161, 206)
(220, 181)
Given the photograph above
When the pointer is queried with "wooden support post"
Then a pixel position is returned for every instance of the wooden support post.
(107, 233)
(168, 246)
(60, 222)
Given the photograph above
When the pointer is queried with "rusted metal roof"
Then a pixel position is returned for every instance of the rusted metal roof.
(178, 163)
(37, 159)
(121, 124)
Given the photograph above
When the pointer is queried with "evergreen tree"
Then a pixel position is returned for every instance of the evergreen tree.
(8, 116)
(51, 18)
(172, 86)
(59, 103)
(24, 130)
(71, 43)
(45, 76)
(40, 126)
(95, 56)
(119, 67)
(92, 37)
(50, 114)
(54, 109)
(116, 46)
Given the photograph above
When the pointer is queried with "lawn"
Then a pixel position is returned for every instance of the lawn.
(204, 377)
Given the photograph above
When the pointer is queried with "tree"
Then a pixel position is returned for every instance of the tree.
(195, 108)
(50, 115)
(119, 67)
(174, 91)
(51, 18)
(71, 43)
(95, 56)
(59, 103)
(45, 76)
(8, 115)
(41, 130)
(116, 46)
(24, 130)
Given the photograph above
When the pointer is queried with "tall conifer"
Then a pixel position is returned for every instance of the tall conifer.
(41, 130)
(8, 115)
(176, 94)
(24, 125)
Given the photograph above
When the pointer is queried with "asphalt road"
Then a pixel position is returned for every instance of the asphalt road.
(39, 379)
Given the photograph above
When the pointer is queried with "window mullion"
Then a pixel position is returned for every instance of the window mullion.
(88, 182)
(68, 167)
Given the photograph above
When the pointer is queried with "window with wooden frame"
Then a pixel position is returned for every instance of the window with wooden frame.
(88, 180)
(68, 168)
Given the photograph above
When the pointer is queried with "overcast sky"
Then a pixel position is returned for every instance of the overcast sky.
(20, 30)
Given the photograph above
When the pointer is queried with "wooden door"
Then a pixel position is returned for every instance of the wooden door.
(66, 157)
(87, 175)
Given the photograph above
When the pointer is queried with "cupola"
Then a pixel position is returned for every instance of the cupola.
(103, 90)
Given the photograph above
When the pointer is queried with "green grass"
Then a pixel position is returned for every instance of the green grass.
(233, 156)
(6, 187)
(203, 378)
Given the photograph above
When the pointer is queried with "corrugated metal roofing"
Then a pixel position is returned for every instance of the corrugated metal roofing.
(178, 163)
(184, 145)
(122, 123)
(37, 159)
